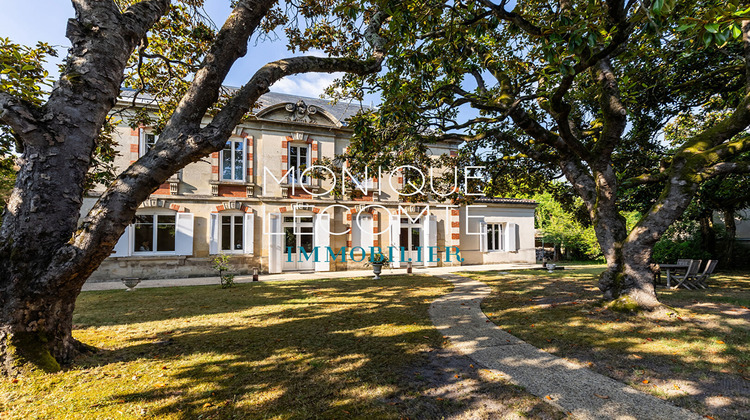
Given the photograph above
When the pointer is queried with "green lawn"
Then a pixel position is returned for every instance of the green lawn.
(697, 358)
(346, 348)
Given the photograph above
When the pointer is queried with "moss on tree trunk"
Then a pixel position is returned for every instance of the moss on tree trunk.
(26, 352)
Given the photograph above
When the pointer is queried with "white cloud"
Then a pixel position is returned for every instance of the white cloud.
(309, 84)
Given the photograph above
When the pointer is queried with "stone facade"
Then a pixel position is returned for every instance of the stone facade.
(244, 201)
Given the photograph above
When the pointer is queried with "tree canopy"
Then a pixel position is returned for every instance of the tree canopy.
(580, 89)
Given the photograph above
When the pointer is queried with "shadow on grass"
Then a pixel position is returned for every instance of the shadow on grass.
(698, 358)
(333, 349)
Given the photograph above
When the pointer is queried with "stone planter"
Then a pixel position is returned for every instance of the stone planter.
(130, 283)
(377, 268)
(551, 268)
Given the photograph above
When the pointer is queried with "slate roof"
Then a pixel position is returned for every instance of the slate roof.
(341, 110)
(501, 200)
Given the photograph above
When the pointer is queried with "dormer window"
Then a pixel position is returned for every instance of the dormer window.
(233, 160)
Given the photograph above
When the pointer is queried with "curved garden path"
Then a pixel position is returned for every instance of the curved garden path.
(572, 387)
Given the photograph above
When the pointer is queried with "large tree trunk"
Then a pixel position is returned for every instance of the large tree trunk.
(36, 328)
(38, 279)
(635, 280)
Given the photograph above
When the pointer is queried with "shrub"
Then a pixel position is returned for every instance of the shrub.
(221, 264)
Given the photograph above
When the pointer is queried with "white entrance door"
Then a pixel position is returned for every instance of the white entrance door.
(298, 244)
(410, 239)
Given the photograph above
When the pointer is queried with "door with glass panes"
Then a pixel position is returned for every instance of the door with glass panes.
(298, 237)
(411, 239)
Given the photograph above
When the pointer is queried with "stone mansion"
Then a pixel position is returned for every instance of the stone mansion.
(254, 202)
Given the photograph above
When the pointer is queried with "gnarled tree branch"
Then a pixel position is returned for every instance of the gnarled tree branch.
(18, 115)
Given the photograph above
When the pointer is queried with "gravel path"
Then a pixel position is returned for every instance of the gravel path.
(569, 386)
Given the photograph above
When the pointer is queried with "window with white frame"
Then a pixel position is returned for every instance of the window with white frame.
(157, 233)
(494, 237)
(299, 159)
(148, 140)
(231, 233)
(154, 233)
(233, 160)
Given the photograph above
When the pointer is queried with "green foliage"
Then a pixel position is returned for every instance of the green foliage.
(377, 258)
(559, 227)
(681, 240)
(163, 66)
(221, 264)
(22, 74)
(7, 179)
(500, 77)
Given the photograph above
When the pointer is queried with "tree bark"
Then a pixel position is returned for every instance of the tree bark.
(635, 280)
(37, 299)
(731, 232)
(708, 236)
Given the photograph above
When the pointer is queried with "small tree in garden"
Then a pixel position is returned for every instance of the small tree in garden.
(221, 264)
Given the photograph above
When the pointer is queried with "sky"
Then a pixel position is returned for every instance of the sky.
(29, 21)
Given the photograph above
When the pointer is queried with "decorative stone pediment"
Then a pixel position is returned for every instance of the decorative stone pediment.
(299, 112)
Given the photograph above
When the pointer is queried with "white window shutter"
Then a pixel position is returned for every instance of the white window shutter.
(184, 234)
(141, 142)
(395, 228)
(430, 225)
(362, 231)
(122, 247)
(483, 237)
(322, 240)
(244, 161)
(275, 240)
(213, 234)
(512, 237)
(357, 232)
(249, 238)
(367, 236)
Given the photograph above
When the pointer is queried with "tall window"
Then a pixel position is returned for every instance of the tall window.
(148, 141)
(494, 237)
(233, 161)
(298, 159)
(154, 233)
(232, 228)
